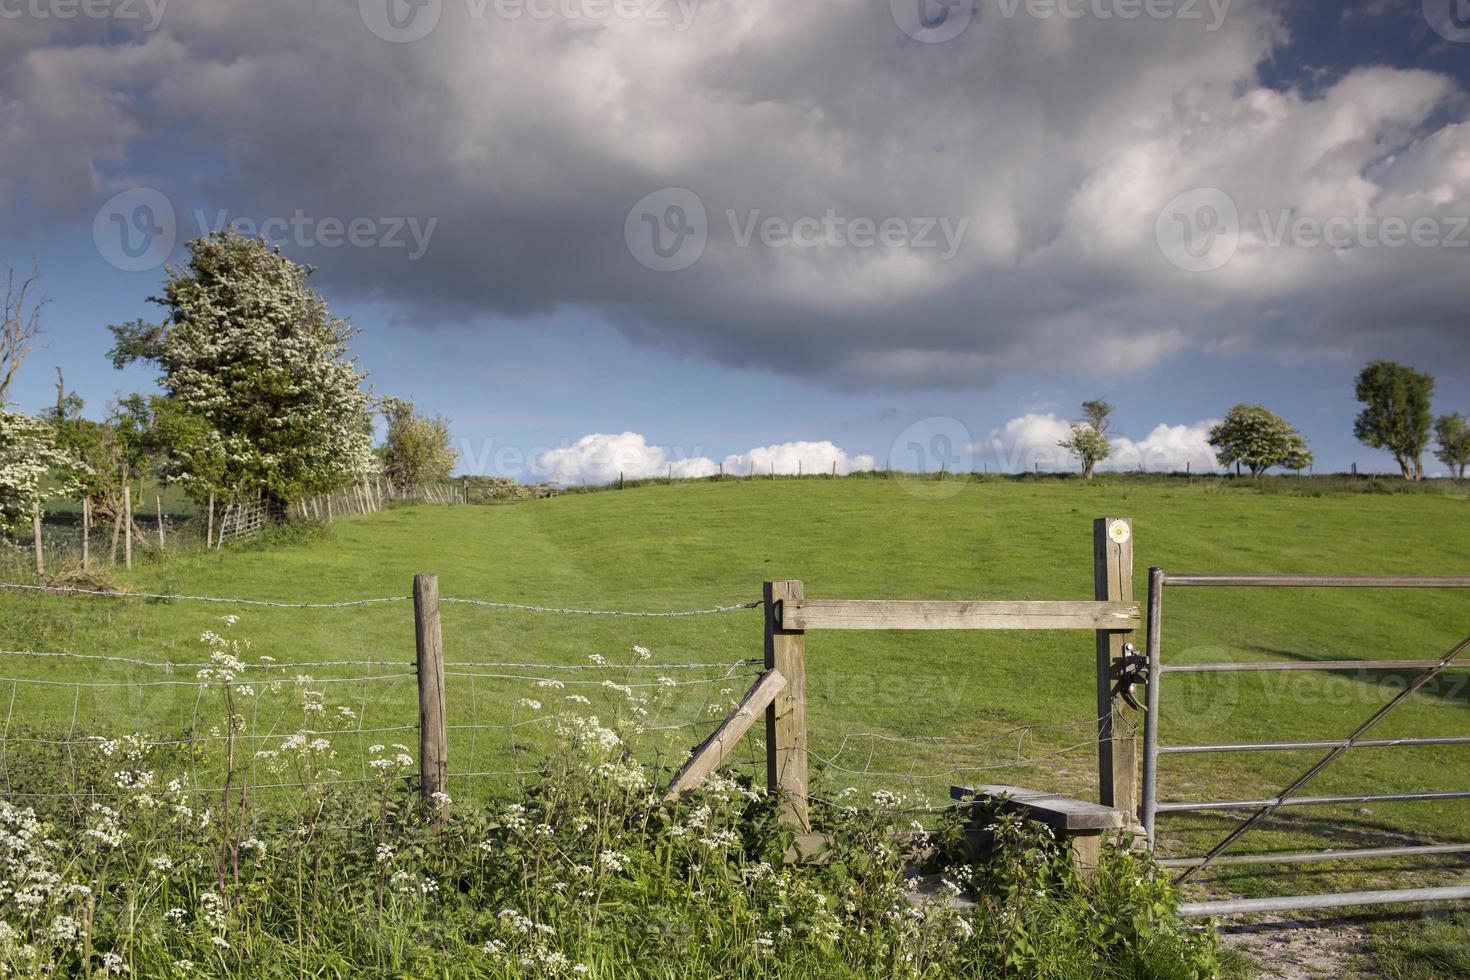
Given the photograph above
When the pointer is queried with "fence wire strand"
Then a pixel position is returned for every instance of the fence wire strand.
(349, 603)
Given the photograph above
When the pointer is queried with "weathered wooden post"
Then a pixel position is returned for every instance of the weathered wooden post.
(127, 526)
(209, 523)
(1117, 747)
(36, 531)
(433, 737)
(158, 505)
(786, 760)
(86, 532)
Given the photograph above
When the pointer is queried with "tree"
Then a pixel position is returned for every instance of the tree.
(1089, 440)
(1396, 416)
(1258, 438)
(20, 323)
(119, 451)
(1452, 432)
(1097, 413)
(263, 391)
(28, 452)
(417, 448)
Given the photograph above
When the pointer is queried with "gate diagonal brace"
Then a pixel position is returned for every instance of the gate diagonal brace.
(1301, 782)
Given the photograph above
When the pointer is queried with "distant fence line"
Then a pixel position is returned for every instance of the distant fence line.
(80, 539)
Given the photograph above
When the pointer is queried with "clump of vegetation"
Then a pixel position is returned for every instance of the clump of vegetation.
(138, 870)
(416, 450)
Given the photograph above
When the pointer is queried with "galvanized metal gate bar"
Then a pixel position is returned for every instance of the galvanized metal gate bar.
(1151, 807)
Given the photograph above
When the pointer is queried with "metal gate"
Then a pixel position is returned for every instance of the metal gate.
(1292, 795)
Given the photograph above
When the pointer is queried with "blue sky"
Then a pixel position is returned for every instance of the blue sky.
(533, 317)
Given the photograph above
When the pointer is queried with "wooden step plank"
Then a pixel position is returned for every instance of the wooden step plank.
(1052, 809)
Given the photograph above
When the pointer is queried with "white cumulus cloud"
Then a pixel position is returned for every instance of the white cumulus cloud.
(794, 457)
(1030, 442)
(604, 457)
(1167, 449)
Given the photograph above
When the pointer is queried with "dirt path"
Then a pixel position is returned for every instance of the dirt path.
(1299, 949)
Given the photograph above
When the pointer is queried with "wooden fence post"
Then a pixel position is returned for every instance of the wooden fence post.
(86, 532)
(158, 505)
(433, 738)
(786, 760)
(209, 525)
(128, 526)
(1117, 747)
(36, 530)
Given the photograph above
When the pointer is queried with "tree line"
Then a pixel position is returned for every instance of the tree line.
(1396, 416)
(260, 395)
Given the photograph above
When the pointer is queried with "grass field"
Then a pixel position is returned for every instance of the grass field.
(911, 712)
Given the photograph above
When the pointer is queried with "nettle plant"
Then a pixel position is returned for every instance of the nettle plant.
(583, 871)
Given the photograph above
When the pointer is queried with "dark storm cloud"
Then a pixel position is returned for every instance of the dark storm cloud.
(876, 209)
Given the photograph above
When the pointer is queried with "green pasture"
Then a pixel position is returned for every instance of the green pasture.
(910, 712)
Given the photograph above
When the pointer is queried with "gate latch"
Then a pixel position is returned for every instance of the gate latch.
(1132, 669)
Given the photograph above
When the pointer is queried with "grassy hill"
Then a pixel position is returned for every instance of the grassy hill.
(911, 712)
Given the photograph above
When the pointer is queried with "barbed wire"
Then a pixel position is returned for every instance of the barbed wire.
(674, 614)
(696, 682)
(346, 603)
(291, 665)
(117, 594)
(185, 665)
(46, 681)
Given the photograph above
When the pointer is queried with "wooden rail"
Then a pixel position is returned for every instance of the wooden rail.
(868, 614)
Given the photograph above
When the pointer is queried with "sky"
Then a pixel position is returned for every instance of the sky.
(650, 236)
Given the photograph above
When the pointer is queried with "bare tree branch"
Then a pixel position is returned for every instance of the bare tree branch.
(20, 323)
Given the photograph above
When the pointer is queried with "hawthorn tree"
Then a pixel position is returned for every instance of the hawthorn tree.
(1396, 413)
(417, 448)
(1089, 438)
(1452, 433)
(262, 389)
(28, 454)
(1257, 438)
